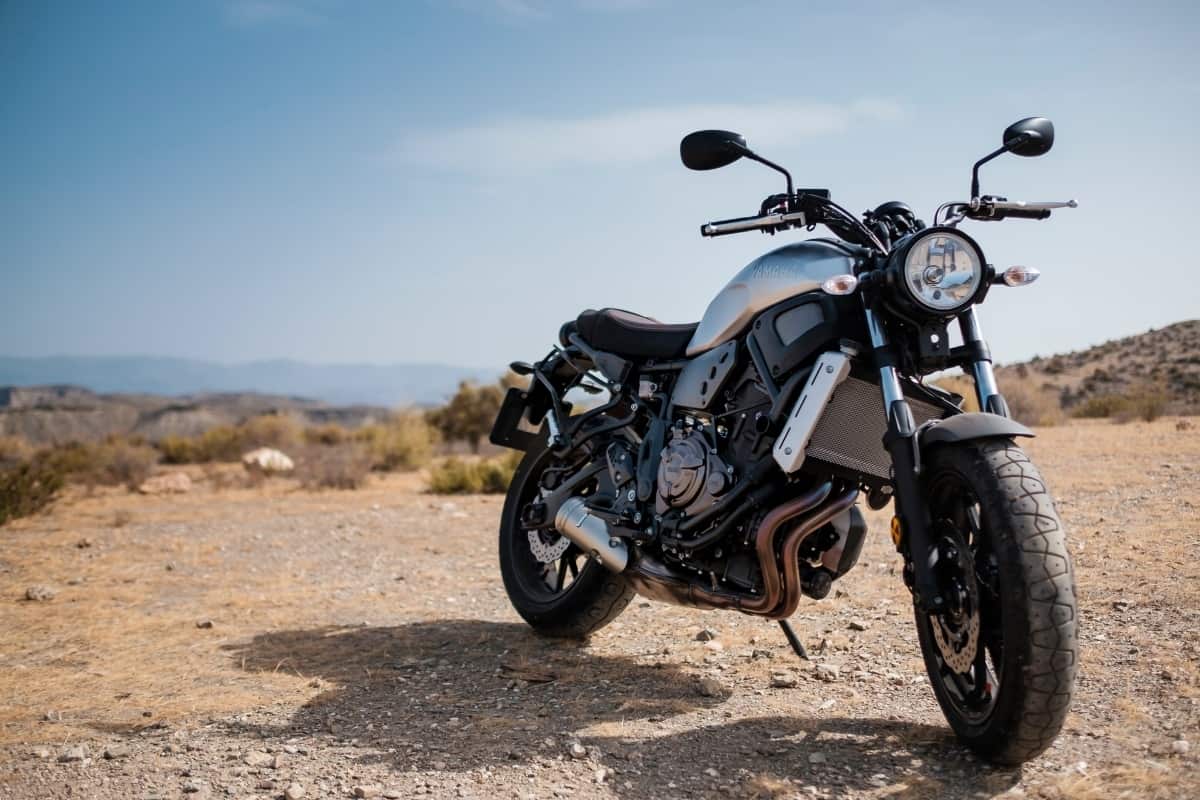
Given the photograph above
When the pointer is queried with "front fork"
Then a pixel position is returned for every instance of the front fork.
(902, 444)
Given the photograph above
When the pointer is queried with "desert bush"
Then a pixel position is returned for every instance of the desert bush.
(960, 385)
(1100, 406)
(469, 415)
(328, 434)
(1147, 404)
(489, 476)
(228, 442)
(113, 462)
(14, 450)
(340, 467)
(1032, 404)
(403, 442)
(280, 431)
(28, 487)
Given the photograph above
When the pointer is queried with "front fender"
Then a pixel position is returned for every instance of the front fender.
(975, 425)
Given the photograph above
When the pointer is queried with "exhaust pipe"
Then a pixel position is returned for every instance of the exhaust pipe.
(590, 534)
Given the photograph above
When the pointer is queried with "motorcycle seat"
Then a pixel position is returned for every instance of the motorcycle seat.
(630, 335)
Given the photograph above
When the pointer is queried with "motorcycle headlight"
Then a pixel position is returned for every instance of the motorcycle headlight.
(942, 271)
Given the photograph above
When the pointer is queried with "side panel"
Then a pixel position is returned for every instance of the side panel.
(701, 380)
(780, 274)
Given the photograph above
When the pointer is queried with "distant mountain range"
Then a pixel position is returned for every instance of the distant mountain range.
(388, 385)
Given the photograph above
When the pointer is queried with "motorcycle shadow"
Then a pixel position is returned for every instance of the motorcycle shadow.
(458, 695)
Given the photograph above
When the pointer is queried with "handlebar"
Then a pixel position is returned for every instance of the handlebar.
(997, 208)
(723, 227)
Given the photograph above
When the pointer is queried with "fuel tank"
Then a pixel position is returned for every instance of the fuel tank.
(791, 270)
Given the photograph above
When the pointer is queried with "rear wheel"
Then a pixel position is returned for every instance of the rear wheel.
(1002, 657)
(550, 582)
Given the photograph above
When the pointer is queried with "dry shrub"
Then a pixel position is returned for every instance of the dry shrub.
(328, 434)
(227, 443)
(27, 488)
(14, 450)
(1031, 403)
(403, 442)
(963, 386)
(113, 462)
(342, 467)
(1147, 403)
(489, 476)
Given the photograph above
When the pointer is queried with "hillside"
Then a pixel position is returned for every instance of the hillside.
(339, 384)
(1165, 360)
(59, 414)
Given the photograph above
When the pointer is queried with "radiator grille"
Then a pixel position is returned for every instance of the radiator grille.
(850, 433)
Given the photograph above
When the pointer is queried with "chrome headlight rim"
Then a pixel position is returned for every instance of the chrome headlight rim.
(899, 269)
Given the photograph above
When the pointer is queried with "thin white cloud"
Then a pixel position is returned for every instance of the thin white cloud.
(260, 13)
(523, 144)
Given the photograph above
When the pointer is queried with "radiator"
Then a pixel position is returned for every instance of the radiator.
(850, 432)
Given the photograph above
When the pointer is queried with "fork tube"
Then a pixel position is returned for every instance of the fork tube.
(901, 443)
(986, 388)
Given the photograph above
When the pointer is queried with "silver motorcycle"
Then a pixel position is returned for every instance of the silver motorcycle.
(722, 463)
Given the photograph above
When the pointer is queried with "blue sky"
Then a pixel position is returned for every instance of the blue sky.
(449, 181)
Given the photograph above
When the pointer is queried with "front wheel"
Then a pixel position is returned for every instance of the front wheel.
(1002, 657)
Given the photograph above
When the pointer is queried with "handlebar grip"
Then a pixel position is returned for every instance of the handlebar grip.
(723, 227)
(1022, 213)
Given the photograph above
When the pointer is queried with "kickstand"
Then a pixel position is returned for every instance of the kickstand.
(793, 639)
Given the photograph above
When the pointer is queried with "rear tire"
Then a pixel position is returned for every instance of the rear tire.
(594, 597)
(1024, 597)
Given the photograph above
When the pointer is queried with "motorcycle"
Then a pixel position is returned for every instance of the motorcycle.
(723, 463)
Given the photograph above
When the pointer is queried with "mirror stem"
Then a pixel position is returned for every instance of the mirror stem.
(1004, 148)
(753, 156)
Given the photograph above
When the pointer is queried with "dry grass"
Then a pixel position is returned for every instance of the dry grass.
(485, 476)
(342, 467)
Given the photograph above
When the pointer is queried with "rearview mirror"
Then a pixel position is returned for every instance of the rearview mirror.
(1032, 136)
(711, 149)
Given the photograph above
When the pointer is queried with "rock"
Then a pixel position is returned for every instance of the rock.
(1180, 747)
(41, 752)
(52, 716)
(601, 775)
(368, 790)
(193, 786)
(714, 646)
(167, 483)
(204, 623)
(116, 751)
(577, 750)
(84, 543)
(709, 687)
(1122, 605)
(268, 461)
(784, 680)
(74, 753)
(1183, 425)
(817, 758)
(39, 594)
(827, 672)
(760, 654)
(858, 625)
(256, 758)
(706, 635)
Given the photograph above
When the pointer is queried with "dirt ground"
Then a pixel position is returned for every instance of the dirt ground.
(269, 642)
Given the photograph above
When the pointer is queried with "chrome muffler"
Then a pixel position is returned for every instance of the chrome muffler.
(590, 534)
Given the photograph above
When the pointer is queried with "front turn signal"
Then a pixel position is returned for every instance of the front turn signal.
(1020, 276)
(840, 284)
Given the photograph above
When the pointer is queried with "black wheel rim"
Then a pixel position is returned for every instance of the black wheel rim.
(970, 672)
(551, 580)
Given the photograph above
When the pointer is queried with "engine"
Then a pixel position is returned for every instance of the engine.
(691, 475)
